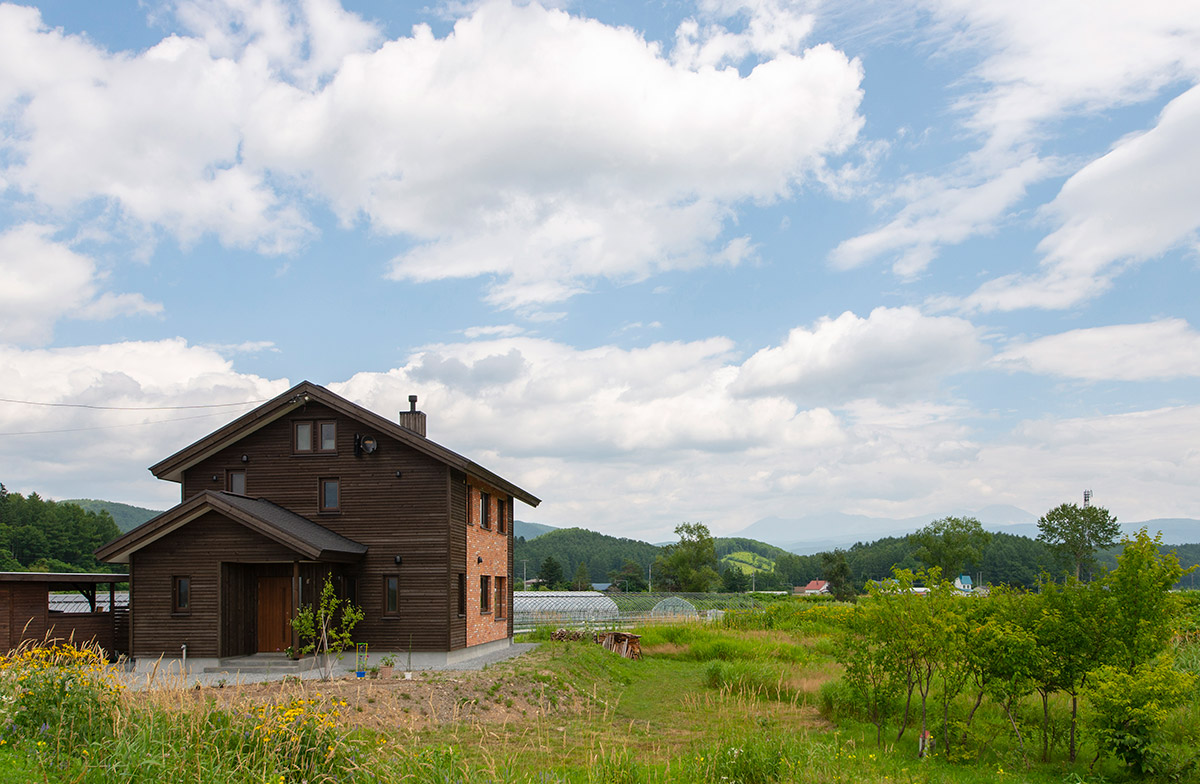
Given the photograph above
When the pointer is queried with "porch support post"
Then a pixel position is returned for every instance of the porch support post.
(295, 602)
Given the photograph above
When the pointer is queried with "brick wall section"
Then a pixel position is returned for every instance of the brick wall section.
(493, 547)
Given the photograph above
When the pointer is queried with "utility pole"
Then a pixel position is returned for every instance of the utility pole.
(650, 579)
(524, 574)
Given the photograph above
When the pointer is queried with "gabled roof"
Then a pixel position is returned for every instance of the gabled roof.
(313, 541)
(172, 468)
(816, 585)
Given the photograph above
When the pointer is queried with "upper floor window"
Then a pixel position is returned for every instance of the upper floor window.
(235, 482)
(310, 437)
(303, 431)
(328, 440)
(330, 495)
(485, 503)
(502, 515)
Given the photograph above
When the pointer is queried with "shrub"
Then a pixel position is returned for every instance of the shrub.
(1129, 709)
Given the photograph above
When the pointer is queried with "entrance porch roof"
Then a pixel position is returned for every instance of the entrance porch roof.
(308, 539)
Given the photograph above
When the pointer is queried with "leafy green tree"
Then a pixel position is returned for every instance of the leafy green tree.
(837, 572)
(1075, 631)
(1144, 610)
(34, 530)
(867, 659)
(1010, 649)
(1077, 532)
(949, 543)
(551, 573)
(1129, 708)
(1132, 696)
(582, 581)
(325, 629)
(734, 580)
(631, 577)
(1015, 560)
(691, 563)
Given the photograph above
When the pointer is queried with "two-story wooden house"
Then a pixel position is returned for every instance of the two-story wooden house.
(308, 485)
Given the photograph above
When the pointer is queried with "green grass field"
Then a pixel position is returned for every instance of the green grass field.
(748, 562)
(754, 700)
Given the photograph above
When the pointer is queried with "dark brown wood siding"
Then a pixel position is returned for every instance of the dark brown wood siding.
(458, 557)
(195, 551)
(25, 616)
(394, 500)
(27, 612)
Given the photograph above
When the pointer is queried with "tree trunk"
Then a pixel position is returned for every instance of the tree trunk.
(907, 704)
(1074, 711)
(1020, 740)
(967, 727)
(945, 722)
(1045, 724)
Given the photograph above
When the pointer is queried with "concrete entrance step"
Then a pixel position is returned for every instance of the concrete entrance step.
(265, 663)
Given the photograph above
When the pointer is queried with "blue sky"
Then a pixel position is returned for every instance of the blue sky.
(667, 262)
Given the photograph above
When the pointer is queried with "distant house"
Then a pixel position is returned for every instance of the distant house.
(308, 487)
(963, 583)
(813, 588)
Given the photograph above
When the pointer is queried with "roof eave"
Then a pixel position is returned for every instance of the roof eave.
(172, 468)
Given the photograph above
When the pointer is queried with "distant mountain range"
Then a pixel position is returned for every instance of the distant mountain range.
(803, 535)
(818, 533)
(125, 516)
(530, 531)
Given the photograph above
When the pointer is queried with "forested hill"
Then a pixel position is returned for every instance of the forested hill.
(37, 535)
(573, 546)
(531, 530)
(737, 544)
(125, 516)
(604, 554)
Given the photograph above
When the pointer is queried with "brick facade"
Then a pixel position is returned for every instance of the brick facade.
(492, 546)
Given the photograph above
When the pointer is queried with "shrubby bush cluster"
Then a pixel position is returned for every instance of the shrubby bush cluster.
(931, 659)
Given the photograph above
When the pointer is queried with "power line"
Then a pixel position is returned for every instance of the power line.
(110, 427)
(128, 408)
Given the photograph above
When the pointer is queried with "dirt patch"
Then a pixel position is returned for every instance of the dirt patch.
(497, 696)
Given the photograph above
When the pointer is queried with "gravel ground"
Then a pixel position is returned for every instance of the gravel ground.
(169, 676)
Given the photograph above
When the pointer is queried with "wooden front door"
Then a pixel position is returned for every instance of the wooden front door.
(274, 613)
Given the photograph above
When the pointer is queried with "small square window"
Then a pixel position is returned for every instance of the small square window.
(181, 594)
(485, 503)
(391, 594)
(485, 594)
(328, 442)
(304, 433)
(235, 482)
(330, 495)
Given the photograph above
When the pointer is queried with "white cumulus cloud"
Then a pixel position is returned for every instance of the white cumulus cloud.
(544, 149)
(42, 281)
(1155, 351)
(892, 353)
